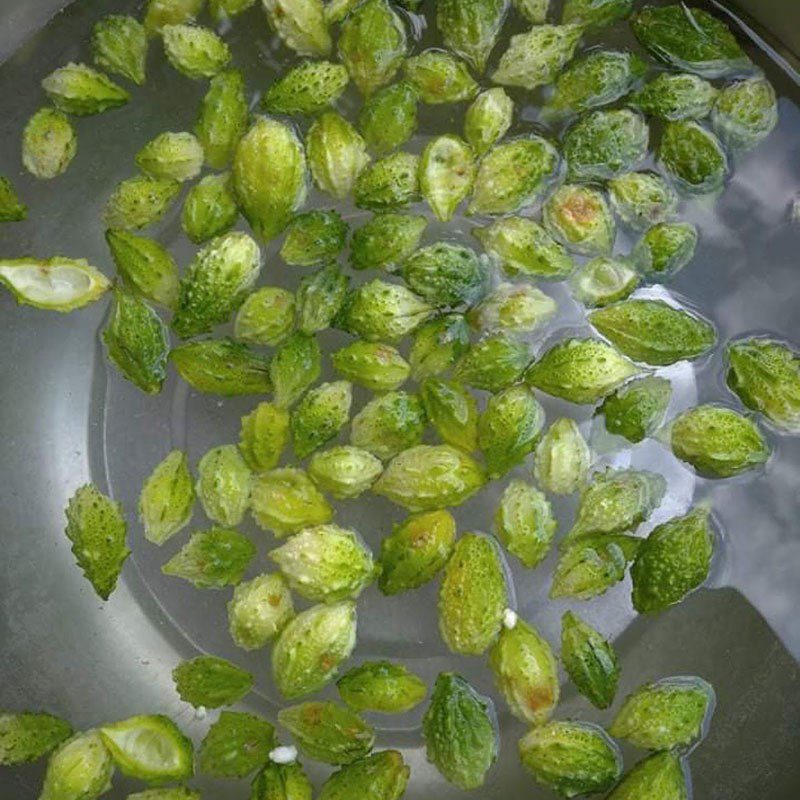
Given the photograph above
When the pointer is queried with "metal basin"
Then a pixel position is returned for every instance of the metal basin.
(64, 420)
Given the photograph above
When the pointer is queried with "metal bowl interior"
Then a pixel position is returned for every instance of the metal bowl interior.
(67, 420)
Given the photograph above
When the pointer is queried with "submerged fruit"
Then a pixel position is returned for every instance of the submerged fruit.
(472, 596)
(460, 736)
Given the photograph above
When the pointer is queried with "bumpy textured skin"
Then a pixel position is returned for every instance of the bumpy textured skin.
(160, 13)
(119, 45)
(460, 737)
(562, 458)
(446, 275)
(222, 119)
(314, 238)
(428, 477)
(286, 500)
(375, 366)
(580, 370)
(673, 561)
(301, 24)
(472, 596)
(658, 777)
(223, 484)
(653, 331)
(693, 157)
(49, 143)
(524, 523)
(320, 297)
(194, 51)
(718, 442)
(12, 209)
(690, 39)
(447, 174)
(136, 342)
(596, 79)
(222, 10)
(311, 647)
(178, 156)
(381, 686)
(596, 13)
(470, 27)
(440, 78)
(27, 736)
(535, 11)
(580, 218)
(676, 96)
(590, 660)
(512, 175)
(97, 529)
(372, 45)
(259, 610)
(605, 144)
(145, 265)
(603, 280)
(211, 682)
(216, 283)
(380, 311)
(522, 246)
(665, 248)
(765, 375)
(488, 119)
(389, 424)
(139, 202)
(386, 241)
(212, 559)
(415, 551)
(535, 58)
(266, 316)
(269, 176)
(82, 91)
(281, 782)
(573, 758)
(381, 776)
(745, 113)
(664, 715)
(167, 498)
(493, 363)
(295, 366)
(590, 565)
(306, 89)
(168, 754)
(438, 345)
(388, 184)
(642, 199)
(336, 154)
(525, 671)
(223, 367)
(513, 307)
(388, 118)
(328, 732)
(637, 409)
(209, 209)
(344, 472)
(81, 768)
(236, 745)
(319, 416)
(617, 501)
(509, 429)
(325, 564)
(453, 412)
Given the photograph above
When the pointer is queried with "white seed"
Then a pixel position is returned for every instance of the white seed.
(283, 755)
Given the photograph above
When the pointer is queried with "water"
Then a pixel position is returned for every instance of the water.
(741, 278)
